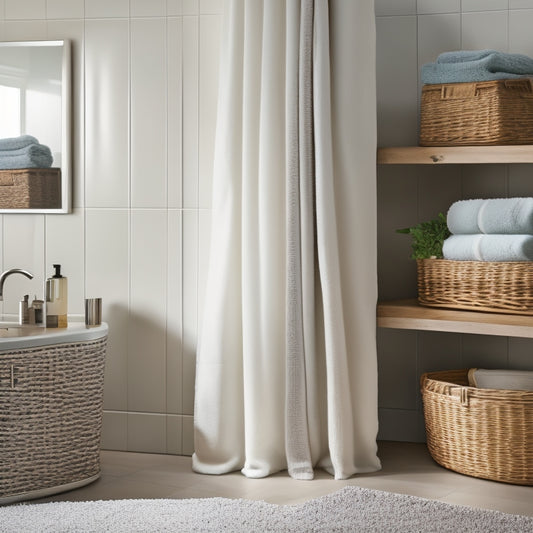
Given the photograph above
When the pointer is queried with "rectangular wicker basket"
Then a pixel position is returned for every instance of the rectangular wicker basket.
(498, 287)
(480, 113)
(30, 188)
(485, 433)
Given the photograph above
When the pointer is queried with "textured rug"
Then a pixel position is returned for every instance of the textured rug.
(349, 509)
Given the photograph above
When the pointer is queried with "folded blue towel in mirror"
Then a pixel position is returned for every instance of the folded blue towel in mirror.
(15, 143)
(31, 156)
(476, 65)
(488, 247)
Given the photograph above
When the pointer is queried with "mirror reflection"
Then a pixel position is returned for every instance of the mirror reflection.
(34, 126)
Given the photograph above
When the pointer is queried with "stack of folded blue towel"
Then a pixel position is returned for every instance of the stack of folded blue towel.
(499, 229)
(476, 65)
(24, 152)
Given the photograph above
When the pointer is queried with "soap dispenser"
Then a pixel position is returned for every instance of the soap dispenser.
(56, 300)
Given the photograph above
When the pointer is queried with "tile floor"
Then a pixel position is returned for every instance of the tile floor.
(407, 468)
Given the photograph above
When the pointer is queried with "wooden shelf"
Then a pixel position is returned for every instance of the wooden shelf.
(408, 314)
(453, 155)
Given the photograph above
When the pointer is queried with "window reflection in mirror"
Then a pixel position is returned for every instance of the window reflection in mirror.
(34, 127)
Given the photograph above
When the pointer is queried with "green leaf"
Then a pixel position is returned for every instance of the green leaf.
(428, 237)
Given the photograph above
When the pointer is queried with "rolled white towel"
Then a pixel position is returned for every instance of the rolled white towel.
(482, 247)
(501, 379)
(493, 216)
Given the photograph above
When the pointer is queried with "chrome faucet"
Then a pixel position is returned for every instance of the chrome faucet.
(7, 273)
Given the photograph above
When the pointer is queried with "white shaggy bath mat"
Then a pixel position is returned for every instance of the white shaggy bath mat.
(350, 509)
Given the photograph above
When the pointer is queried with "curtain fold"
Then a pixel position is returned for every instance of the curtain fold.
(286, 369)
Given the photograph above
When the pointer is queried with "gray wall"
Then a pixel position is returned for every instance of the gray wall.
(409, 34)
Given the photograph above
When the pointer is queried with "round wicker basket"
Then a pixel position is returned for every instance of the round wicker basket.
(485, 433)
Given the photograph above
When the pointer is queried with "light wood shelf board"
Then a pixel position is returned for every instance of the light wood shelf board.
(441, 155)
(408, 314)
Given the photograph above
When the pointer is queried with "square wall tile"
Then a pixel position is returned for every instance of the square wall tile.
(106, 9)
(174, 111)
(209, 36)
(520, 23)
(65, 9)
(485, 30)
(190, 7)
(399, 425)
(174, 8)
(397, 368)
(147, 320)
(114, 431)
(484, 181)
(396, 76)
(437, 34)
(484, 5)
(107, 117)
(520, 353)
(395, 7)
(147, 433)
(24, 30)
(425, 7)
(174, 434)
(520, 180)
(210, 7)
(187, 435)
(26, 10)
(190, 308)
(485, 351)
(148, 129)
(148, 8)
(190, 111)
(174, 315)
(520, 4)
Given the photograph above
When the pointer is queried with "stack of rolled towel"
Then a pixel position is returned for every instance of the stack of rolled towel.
(476, 65)
(499, 229)
(24, 152)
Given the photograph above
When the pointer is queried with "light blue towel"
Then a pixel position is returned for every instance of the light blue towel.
(15, 143)
(496, 215)
(488, 247)
(31, 156)
(471, 65)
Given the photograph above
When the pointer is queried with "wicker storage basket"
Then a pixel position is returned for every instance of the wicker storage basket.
(481, 113)
(50, 418)
(498, 287)
(30, 188)
(484, 433)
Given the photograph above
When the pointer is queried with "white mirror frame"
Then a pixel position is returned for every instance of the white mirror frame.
(66, 88)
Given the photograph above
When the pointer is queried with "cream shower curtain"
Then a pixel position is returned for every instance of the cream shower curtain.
(286, 371)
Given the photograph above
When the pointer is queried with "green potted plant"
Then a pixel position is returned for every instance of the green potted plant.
(428, 238)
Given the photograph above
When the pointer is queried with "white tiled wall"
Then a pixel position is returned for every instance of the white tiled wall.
(145, 76)
(409, 34)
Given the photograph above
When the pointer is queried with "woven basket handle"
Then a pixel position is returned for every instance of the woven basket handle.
(520, 85)
(7, 179)
(459, 393)
(458, 91)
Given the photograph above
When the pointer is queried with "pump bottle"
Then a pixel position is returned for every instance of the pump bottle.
(56, 300)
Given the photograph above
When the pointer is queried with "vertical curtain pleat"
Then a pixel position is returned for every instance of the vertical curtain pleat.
(300, 233)
(279, 382)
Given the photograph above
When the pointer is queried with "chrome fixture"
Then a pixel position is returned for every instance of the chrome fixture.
(7, 273)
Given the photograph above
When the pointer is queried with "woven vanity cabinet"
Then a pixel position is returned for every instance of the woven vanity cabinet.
(51, 399)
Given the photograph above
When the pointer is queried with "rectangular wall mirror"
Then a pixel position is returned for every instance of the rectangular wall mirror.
(35, 140)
